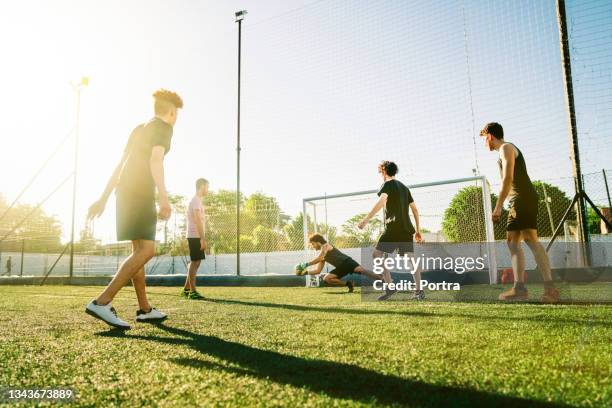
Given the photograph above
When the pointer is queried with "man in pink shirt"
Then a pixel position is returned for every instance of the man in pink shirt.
(195, 238)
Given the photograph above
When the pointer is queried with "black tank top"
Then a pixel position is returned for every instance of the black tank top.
(335, 257)
(521, 183)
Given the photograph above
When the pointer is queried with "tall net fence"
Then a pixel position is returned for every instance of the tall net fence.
(330, 90)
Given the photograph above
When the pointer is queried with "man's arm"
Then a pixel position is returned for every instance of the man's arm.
(417, 221)
(319, 261)
(199, 216)
(97, 208)
(157, 171)
(320, 258)
(377, 207)
(507, 160)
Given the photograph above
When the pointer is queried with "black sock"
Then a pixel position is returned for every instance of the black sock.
(519, 286)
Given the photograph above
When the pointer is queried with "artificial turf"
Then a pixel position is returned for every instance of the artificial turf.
(306, 347)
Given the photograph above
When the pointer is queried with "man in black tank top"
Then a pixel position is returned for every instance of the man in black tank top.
(344, 264)
(396, 200)
(522, 215)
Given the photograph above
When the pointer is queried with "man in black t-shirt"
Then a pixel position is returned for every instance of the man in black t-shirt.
(138, 174)
(396, 199)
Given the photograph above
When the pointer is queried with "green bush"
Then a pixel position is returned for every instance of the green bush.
(464, 218)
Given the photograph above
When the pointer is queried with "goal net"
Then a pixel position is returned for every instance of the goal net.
(454, 213)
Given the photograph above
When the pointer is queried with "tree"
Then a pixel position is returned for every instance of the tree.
(260, 209)
(38, 231)
(267, 240)
(294, 232)
(220, 208)
(558, 203)
(352, 236)
(464, 218)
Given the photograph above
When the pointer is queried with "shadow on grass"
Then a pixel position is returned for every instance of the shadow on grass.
(417, 313)
(338, 380)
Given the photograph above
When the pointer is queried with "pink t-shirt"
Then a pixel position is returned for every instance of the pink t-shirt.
(194, 210)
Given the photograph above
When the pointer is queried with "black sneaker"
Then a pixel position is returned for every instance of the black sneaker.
(418, 295)
(351, 286)
(387, 295)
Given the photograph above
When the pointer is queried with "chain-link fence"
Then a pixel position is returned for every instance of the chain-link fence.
(331, 89)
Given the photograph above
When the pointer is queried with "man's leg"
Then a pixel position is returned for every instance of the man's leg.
(138, 281)
(333, 280)
(131, 266)
(518, 291)
(551, 294)
(530, 237)
(386, 275)
(517, 256)
(190, 281)
(375, 277)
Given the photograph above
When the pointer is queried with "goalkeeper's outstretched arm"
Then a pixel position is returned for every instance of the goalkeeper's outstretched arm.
(319, 261)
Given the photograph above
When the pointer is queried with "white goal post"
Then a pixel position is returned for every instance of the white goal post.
(335, 217)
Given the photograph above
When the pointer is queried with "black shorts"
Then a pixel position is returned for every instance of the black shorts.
(136, 217)
(346, 267)
(523, 214)
(195, 251)
(390, 241)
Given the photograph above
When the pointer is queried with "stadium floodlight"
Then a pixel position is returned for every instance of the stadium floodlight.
(240, 15)
(77, 90)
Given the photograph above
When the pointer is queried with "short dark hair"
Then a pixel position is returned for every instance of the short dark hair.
(389, 167)
(494, 129)
(164, 99)
(201, 182)
(317, 238)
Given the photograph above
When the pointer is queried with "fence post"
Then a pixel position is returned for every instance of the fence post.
(489, 230)
(22, 251)
(607, 189)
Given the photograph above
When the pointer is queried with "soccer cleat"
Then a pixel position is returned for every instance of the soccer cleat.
(351, 286)
(195, 295)
(185, 293)
(107, 314)
(152, 315)
(513, 294)
(418, 295)
(387, 295)
(551, 295)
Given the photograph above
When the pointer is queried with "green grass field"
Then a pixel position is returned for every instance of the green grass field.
(306, 347)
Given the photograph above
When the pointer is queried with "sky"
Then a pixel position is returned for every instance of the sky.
(330, 88)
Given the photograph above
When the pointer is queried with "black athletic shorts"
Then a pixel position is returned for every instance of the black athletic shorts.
(195, 251)
(346, 267)
(523, 214)
(136, 217)
(390, 241)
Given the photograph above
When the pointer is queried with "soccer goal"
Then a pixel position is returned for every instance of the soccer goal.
(456, 212)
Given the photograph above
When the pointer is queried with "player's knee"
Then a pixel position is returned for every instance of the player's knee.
(513, 244)
(329, 278)
(530, 239)
(146, 251)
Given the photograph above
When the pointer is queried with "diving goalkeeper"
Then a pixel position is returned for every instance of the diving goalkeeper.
(343, 264)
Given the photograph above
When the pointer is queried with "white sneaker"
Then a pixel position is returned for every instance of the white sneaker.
(153, 315)
(107, 314)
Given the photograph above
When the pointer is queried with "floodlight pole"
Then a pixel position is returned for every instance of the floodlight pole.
(77, 89)
(239, 17)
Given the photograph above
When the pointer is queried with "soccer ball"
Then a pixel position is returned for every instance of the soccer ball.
(299, 269)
